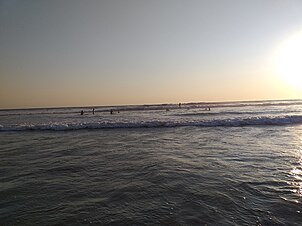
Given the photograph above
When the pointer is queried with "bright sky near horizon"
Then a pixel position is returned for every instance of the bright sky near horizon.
(83, 53)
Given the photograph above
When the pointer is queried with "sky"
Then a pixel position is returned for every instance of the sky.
(118, 52)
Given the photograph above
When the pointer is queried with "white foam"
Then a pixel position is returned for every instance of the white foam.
(231, 122)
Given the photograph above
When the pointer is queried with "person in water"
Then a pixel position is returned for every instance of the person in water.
(82, 112)
(111, 111)
(93, 111)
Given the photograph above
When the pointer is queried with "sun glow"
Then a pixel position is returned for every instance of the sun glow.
(289, 61)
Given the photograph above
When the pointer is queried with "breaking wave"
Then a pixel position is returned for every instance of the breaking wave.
(237, 122)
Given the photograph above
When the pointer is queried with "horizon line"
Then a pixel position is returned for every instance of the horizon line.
(148, 104)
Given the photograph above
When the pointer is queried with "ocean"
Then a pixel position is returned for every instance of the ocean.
(239, 163)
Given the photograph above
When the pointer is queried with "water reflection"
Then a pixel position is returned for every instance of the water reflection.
(296, 173)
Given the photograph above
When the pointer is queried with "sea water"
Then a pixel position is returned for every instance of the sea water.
(238, 164)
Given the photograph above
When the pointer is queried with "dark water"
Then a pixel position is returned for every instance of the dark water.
(152, 176)
(238, 164)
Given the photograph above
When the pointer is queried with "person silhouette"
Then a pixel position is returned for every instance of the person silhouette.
(82, 112)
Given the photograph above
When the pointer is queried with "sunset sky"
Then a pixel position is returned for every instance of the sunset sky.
(116, 52)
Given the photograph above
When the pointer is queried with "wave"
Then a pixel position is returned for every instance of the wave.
(250, 121)
(213, 113)
(262, 103)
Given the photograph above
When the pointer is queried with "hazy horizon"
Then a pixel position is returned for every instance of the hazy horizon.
(207, 103)
(105, 53)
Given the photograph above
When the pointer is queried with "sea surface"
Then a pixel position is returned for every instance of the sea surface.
(239, 163)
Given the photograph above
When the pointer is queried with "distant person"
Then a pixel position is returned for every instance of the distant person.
(93, 111)
(179, 105)
(111, 111)
(82, 112)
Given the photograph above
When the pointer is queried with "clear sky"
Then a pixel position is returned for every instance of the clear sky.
(112, 52)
